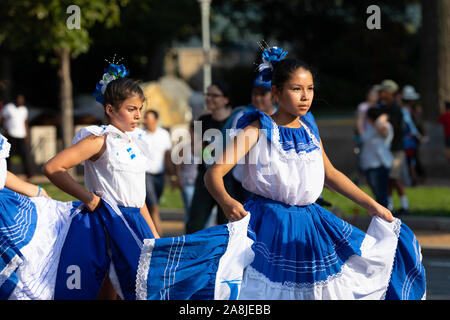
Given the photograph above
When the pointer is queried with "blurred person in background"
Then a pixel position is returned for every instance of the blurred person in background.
(15, 122)
(388, 90)
(444, 120)
(413, 137)
(219, 107)
(371, 100)
(160, 145)
(361, 123)
(186, 172)
(376, 157)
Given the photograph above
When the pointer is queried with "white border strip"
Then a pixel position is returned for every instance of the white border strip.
(143, 267)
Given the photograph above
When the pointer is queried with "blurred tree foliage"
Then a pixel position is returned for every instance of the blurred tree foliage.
(332, 36)
(32, 32)
(43, 26)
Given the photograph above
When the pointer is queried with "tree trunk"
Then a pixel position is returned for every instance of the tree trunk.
(429, 58)
(435, 56)
(66, 100)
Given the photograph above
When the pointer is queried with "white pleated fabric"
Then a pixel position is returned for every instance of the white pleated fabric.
(37, 272)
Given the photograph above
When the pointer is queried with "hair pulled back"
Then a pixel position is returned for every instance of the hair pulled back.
(121, 89)
(283, 70)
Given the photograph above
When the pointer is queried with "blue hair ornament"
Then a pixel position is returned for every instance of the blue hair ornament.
(113, 72)
(260, 83)
(270, 57)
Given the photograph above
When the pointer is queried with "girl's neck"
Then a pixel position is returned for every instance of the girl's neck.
(221, 113)
(117, 127)
(286, 120)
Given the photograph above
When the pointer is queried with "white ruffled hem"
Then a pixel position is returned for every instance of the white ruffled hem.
(37, 273)
(237, 256)
(144, 265)
(10, 268)
(361, 277)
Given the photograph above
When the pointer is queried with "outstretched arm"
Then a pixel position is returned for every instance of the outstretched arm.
(339, 182)
(56, 168)
(148, 218)
(18, 185)
(236, 150)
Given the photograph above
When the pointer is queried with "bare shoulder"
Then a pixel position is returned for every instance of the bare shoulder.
(93, 145)
(251, 132)
(96, 139)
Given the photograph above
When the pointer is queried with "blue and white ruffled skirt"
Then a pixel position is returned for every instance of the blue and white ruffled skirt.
(306, 252)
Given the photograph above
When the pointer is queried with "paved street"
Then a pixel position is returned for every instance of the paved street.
(438, 277)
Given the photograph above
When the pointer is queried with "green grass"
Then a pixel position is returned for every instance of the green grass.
(423, 201)
(57, 194)
(169, 199)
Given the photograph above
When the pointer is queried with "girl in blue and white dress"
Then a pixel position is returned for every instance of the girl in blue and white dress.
(106, 236)
(74, 248)
(301, 250)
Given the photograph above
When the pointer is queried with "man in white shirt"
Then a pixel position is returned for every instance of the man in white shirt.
(160, 145)
(15, 122)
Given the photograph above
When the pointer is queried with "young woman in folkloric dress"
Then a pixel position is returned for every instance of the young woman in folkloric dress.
(303, 251)
(85, 243)
(102, 241)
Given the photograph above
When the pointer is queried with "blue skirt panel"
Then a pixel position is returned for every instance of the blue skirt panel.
(94, 238)
(205, 265)
(408, 280)
(18, 218)
(297, 244)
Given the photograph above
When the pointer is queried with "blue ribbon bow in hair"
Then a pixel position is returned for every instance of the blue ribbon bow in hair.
(113, 72)
(270, 58)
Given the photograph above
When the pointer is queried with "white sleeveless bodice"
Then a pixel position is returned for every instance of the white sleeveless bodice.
(120, 171)
(285, 164)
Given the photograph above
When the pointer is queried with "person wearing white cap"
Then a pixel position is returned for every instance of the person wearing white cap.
(413, 137)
